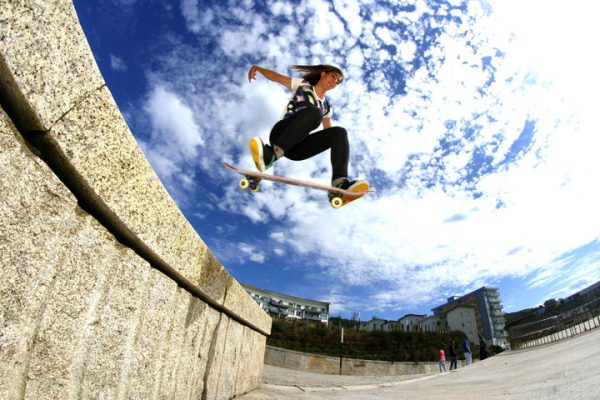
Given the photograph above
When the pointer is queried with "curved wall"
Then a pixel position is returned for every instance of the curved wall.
(106, 290)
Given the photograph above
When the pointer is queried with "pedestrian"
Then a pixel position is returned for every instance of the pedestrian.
(467, 350)
(442, 359)
(307, 109)
(482, 348)
(452, 353)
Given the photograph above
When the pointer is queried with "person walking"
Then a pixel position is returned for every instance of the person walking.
(482, 348)
(467, 350)
(442, 360)
(307, 109)
(452, 354)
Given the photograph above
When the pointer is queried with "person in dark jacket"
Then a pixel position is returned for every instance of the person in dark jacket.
(482, 348)
(452, 354)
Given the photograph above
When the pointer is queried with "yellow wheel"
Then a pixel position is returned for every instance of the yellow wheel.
(336, 202)
(244, 184)
(255, 188)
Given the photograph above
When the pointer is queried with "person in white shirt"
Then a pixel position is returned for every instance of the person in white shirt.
(307, 109)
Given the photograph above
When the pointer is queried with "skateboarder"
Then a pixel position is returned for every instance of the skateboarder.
(307, 109)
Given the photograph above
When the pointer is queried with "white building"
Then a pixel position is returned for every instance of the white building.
(375, 324)
(286, 306)
(410, 322)
(430, 323)
(463, 319)
(390, 326)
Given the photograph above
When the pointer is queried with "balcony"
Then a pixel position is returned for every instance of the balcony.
(499, 327)
(275, 303)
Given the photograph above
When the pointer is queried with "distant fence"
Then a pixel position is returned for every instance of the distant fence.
(555, 328)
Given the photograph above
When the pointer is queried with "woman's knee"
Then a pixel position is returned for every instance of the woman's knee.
(339, 134)
(339, 131)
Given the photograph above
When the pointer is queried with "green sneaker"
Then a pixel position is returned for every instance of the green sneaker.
(263, 155)
(352, 186)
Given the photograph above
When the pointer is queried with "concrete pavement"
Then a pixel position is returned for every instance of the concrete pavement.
(569, 369)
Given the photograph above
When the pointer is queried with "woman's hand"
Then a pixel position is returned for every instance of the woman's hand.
(252, 73)
(270, 75)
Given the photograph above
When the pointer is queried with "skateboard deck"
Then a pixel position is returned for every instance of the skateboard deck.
(337, 197)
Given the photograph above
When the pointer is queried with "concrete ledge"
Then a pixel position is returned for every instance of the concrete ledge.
(331, 365)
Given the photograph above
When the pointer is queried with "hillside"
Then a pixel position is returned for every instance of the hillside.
(386, 346)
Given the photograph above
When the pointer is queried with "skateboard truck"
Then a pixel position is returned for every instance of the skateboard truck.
(251, 183)
(335, 199)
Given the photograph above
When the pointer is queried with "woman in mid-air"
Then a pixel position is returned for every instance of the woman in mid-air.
(308, 108)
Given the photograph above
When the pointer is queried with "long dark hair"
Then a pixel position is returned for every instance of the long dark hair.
(313, 72)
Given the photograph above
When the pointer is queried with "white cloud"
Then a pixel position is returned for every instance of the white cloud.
(117, 63)
(349, 10)
(322, 23)
(125, 3)
(196, 19)
(252, 253)
(173, 124)
(173, 143)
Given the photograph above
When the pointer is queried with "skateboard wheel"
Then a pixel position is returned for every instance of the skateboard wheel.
(244, 184)
(254, 187)
(336, 202)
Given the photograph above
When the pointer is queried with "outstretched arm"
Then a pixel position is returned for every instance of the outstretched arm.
(270, 75)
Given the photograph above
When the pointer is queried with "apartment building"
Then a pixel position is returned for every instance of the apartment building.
(286, 306)
(489, 318)
(463, 319)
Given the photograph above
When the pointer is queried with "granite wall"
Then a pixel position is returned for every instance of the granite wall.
(106, 290)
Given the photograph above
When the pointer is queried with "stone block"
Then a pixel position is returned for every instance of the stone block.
(186, 372)
(239, 300)
(144, 370)
(203, 354)
(215, 280)
(34, 206)
(99, 144)
(173, 340)
(45, 50)
(215, 359)
(88, 319)
(256, 362)
(230, 361)
(245, 373)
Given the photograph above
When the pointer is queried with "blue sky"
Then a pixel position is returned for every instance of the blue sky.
(474, 121)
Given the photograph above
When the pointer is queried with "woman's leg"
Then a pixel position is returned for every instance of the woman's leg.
(293, 137)
(289, 132)
(334, 138)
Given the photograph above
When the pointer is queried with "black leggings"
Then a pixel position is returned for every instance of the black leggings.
(293, 136)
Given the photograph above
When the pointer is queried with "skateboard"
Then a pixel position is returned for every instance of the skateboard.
(337, 197)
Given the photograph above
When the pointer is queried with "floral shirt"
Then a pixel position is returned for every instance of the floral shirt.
(305, 96)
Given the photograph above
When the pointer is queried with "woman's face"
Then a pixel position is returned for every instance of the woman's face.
(329, 80)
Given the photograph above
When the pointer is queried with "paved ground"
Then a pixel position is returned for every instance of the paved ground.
(566, 370)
